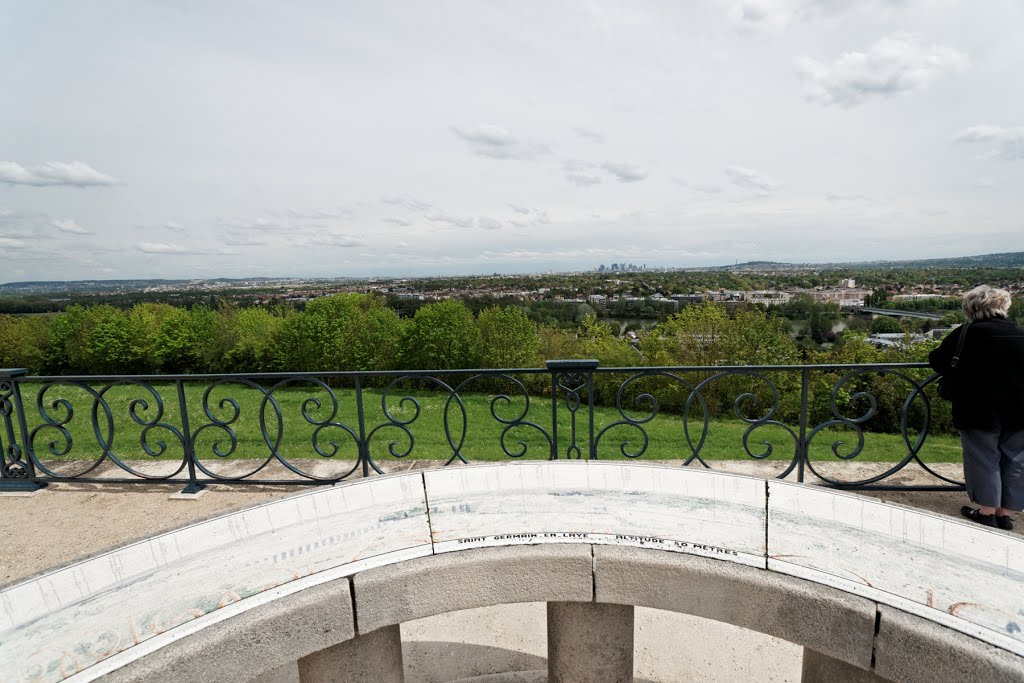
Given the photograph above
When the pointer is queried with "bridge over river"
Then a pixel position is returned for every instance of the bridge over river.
(899, 314)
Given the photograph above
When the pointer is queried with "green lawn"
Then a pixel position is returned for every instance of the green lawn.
(482, 437)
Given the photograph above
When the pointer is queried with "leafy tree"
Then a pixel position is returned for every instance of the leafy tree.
(145, 320)
(704, 335)
(1016, 313)
(24, 342)
(341, 332)
(111, 342)
(185, 341)
(441, 336)
(508, 339)
(885, 324)
(817, 326)
(380, 342)
(253, 333)
(67, 342)
(952, 318)
(697, 335)
(556, 344)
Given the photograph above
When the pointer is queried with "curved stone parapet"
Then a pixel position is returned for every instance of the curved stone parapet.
(860, 583)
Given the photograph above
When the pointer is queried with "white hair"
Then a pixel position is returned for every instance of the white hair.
(986, 302)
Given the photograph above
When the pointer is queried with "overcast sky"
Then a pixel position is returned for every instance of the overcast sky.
(198, 139)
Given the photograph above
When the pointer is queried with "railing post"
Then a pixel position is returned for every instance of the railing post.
(364, 448)
(17, 472)
(571, 376)
(591, 446)
(802, 448)
(193, 486)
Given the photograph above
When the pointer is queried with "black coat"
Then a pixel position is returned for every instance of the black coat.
(988, 392)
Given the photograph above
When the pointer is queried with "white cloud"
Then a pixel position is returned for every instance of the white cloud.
(496, 142)
(11, 243)
(164, 248)
(73, 173)
(896, 64)
(438, 216)
(527, 217)
(838, 197)
(1006, 143)
(260, 223)
(624, 173)
(329, 239)
(488, 223)
(706, 189)
(174, 226)
(241, 239)
(749, 179)
(320, 214)
(405, 201)
(69, 225)
(590, 134)
(580, 172)
(582, 179)
(397, 220)
(783, 13)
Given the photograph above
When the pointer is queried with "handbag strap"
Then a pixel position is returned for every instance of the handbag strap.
(959, 346)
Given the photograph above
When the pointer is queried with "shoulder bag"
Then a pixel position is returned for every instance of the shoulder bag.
(947, 380)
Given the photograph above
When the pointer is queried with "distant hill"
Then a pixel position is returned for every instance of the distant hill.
(43, 286)
(1005, 260)
(1013, 259)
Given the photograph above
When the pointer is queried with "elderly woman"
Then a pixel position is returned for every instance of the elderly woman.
(988, 404)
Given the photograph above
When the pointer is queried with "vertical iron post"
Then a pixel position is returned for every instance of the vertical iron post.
(186, 432)
(554, 410)
(364, 448)
(17, 472)
(571, 376)
(591, 446)
(802, 449)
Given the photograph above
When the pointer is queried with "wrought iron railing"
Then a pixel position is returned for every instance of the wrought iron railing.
(832, 421)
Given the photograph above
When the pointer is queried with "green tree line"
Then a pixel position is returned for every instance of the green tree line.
(360, 332)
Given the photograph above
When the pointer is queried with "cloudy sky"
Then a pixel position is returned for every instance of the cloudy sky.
(196, 139)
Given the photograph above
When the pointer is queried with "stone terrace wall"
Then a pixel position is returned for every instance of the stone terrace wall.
(350, 559)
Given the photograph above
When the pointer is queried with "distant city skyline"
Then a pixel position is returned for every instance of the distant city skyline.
(238, 139)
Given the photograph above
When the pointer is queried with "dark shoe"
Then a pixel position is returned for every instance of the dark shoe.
(1004, 522)
(976, 516)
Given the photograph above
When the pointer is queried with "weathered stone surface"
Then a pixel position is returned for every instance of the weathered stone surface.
(476, 642)
(817, 668)
(819, 617)
(696, 512)
(914, 650)
(372, 658)
(696, 649)
(961, 574)
(590, 642)
(289, 673)
(474, 578)
(255, 642)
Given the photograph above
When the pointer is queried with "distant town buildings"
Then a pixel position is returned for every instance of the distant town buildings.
(767, 297)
